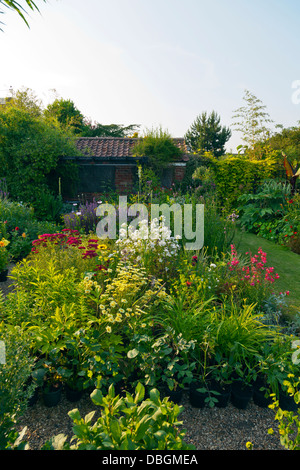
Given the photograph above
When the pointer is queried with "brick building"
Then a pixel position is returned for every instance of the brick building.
(108, 163)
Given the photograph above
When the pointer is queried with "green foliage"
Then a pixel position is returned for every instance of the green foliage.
(287, 140)
(235, 176)
(66, 113)
(207, 135)
(72, 119)
(21, 227)
(158, 146)
(218, 230)
(49, 207)
(30, 147)
(266, 204)
(289, 421)
(95, 129)
(128, 423)
(163, 360)
(15, 6)
(252, 121)
(14, 377)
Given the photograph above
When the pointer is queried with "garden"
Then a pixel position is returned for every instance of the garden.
(138, 326)
(136, 322)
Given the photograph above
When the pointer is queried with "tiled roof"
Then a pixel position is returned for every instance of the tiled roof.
(106, 147)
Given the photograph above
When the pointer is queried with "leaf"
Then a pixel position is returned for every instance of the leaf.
(155, 396)
(140, 392)
(296, 357)
(58, 441)
(288, 168)
(132, 354)
(88, 418)
(97, 397)
(115, 430)
(142, 427)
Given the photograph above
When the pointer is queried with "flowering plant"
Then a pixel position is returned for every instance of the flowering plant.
(153, 247)
(20, 244)
(4, 254)
(252, 279)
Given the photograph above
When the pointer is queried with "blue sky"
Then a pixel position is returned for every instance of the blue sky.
(157, 62)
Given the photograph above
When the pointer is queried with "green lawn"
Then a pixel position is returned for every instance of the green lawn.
(285, 262)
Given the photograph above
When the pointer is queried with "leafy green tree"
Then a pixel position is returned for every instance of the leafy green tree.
(70, 118)
(66, 113)
(206, 134)
(96, 129)
(26, 99)
(287, 140)
(30, 147)
(252, 121)
(18, 8)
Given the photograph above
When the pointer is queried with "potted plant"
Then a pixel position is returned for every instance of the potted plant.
(175, 376)
(52, 389)
(74, 383)
(202, 393)
(221, 379)
(49, 381)
(242, 385)
(4, 259)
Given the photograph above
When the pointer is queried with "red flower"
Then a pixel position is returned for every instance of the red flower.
(188, 283)
(17, 228)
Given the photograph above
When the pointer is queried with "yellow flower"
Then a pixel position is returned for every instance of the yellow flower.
(249, 445)
(4, 242)
(102, 247)
(23, 235)
(108, 329)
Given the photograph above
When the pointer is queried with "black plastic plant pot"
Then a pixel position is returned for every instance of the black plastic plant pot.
(241, 395)
(196, 397)
(174, 395)
(3, 275)
(73, 395)
(224, 394)
(286, 402)
(34, 398)
(52, 396)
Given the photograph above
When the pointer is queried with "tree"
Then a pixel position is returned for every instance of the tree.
(67, 115)
(252, 121)
(96, 129)
(207, 135)
(70, 118)
(30, 151)
(26, 99)
(15, 6)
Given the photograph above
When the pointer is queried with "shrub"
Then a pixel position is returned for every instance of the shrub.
(235, 176)
(14, 388)
(289, 421)
(265, 205)
(127, 423)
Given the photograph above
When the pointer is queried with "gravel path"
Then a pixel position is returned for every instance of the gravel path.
(207, 429)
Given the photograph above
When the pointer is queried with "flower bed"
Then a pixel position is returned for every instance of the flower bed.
(145, 311)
